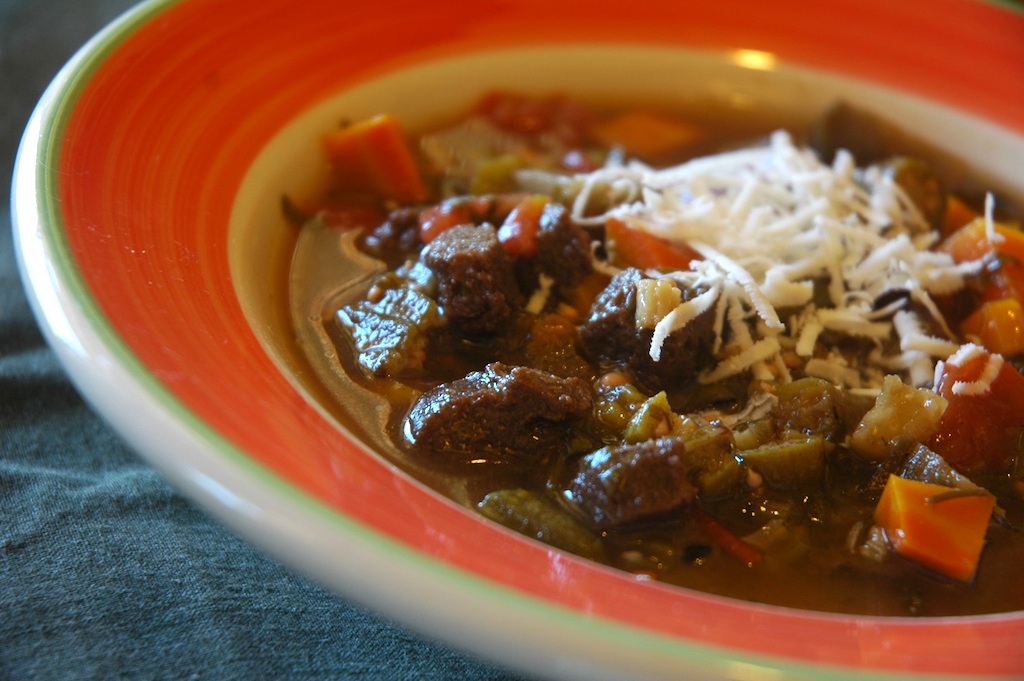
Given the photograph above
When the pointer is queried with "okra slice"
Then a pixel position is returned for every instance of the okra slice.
(534, 515)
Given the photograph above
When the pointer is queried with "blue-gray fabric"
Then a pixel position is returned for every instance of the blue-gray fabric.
(105, 571)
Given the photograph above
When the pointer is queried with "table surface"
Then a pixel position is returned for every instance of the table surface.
(105, 571)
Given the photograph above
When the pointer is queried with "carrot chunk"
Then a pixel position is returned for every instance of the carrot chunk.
(645, 134)
(934, 525)
(957, 214)
(374, 156)
(999, 325)
(971, 242)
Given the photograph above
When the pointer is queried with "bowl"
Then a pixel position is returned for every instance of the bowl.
(150, 237)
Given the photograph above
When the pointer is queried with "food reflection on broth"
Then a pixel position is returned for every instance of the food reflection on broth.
(749, 361)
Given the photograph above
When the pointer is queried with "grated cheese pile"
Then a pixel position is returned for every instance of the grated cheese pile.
(771, 221)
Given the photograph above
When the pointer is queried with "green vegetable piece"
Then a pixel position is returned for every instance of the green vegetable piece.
(496, 175)
(751, 434)
(535, 516)
(390, 334)
(652, 419)
(812, 406)
(794, 462)
(901, 413)
(710, 455)
(616, 405)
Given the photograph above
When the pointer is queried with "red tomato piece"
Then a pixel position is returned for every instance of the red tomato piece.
(556, 115)
(646, 251)
(518, 233)
(980, 431)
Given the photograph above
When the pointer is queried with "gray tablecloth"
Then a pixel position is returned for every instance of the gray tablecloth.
(105, 571)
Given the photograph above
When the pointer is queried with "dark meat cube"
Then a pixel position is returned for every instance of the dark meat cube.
(610, 333)
(477, 288)
(563, 250)
(621, 484)
(504, 413)
(390, 334)
(396, 237)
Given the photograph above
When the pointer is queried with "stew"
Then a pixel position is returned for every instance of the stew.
(760, 366)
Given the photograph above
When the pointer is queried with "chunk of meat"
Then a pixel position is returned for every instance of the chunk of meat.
(477, 287)
(563, 251)
(610, 333)
(504, 413)
(399, 233)
(390, 334)
(621, 484)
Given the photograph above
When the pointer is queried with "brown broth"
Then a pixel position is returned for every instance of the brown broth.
(816, 572)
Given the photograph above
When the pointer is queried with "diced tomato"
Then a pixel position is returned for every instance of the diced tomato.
(633, 247)
(1006, 282)
(967, 243)
(980, 431)
(555, 115)
(518, 233)
(440, 218)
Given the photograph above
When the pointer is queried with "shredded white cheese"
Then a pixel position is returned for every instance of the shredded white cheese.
(980, 386)
(539, 297)
(784, 235)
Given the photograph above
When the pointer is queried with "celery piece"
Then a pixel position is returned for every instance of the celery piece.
(616, 405)
(754, 433)
(795, 461)
(652, 419)
(496, 175)
(812, 406)
(710, 455)
(533, 515)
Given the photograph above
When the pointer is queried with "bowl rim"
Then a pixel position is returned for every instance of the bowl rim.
(95, 354)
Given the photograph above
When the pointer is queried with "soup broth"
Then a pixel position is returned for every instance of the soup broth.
(506, 307)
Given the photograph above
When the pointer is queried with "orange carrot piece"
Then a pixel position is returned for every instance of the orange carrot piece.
(999, 325)
(1011, 243)
(374, 156)
(934, 526)
(971, 242)
(957, 215)
(645, 134)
